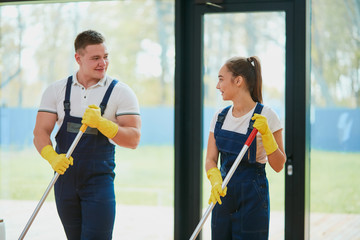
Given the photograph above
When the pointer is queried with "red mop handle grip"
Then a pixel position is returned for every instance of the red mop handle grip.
(251, 137)
(83, 128)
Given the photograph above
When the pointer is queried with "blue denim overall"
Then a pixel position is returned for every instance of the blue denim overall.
(84, 195)
(244, 213)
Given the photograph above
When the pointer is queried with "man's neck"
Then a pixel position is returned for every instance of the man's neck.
(86, 81)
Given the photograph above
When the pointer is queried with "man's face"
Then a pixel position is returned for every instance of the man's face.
(93, 61)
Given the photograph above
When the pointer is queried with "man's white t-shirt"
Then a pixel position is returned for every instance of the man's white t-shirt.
(122, 101)
(241, 124)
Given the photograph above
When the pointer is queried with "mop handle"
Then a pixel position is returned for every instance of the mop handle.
(56, 176)
(225, 182)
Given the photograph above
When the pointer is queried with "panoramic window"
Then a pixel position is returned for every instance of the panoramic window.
(37, 49)
(335, 114)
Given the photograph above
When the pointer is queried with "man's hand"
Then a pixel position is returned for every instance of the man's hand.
(58, 162)
(92, 118)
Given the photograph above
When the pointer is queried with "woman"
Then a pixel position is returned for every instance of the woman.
(244, 212)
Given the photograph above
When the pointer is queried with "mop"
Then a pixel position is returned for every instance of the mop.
(225, 182)
(56, 176)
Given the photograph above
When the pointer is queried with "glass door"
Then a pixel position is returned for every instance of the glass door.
(247, 34)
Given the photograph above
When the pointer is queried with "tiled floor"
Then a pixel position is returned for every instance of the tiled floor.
(156, 223)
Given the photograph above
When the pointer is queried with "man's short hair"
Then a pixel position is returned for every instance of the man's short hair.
(88, 37)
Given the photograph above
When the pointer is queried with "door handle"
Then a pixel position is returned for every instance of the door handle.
(289, 166)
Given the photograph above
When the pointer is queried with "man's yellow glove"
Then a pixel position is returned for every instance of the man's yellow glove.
(92, 118)
(268, 139)
(58, 162)
(215, 178)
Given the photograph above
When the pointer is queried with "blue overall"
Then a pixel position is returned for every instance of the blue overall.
(84, 195)
(244, 213)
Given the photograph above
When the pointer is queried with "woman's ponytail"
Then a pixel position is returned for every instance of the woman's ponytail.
(256, 92)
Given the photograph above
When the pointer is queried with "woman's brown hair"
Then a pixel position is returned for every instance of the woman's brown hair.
(250, 69)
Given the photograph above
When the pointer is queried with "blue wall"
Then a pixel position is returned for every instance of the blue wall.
(336, 129)
(16, 126)
(157, 126)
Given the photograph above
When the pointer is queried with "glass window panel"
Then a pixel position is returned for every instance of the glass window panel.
(36, 45)
(247, 34)
(335, 114)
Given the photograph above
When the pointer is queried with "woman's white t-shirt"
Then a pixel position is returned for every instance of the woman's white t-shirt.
(241, 124)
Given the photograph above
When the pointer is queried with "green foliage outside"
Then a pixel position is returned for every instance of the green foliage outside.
(335, 52)
(145, 176)
(133, 28)
(36, 45)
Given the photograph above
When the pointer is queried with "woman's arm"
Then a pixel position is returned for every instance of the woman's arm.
(212, 153)
(277, 159)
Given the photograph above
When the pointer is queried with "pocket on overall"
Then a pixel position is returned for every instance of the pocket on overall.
(65, 186)
(254, 208)
(230, 145)
(221, 214)
(103, 167)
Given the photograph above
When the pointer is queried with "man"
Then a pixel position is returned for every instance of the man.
(84, 192)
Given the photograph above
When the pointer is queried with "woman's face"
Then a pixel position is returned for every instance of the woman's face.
(226, 84)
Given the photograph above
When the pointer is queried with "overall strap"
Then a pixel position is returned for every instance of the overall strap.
(67, 96)
(220, 119)
(257, 110)
(252, 148)
(107, 96)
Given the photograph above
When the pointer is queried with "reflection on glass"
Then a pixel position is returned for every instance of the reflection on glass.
(335, 117)
(247, 34)
(36, 46)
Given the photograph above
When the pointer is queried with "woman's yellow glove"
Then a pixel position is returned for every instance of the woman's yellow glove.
(58, 162)
(268, 139)
(215, 178)
(92, 118)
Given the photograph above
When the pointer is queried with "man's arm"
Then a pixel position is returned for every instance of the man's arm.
(129, 132)
(125, 132)
(44, 126)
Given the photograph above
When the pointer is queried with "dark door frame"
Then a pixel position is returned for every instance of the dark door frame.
(188, 110)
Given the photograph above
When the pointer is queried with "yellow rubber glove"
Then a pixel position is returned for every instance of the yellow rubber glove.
(268, 139)
(215, 178)
(58, 162)
(92, 118)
